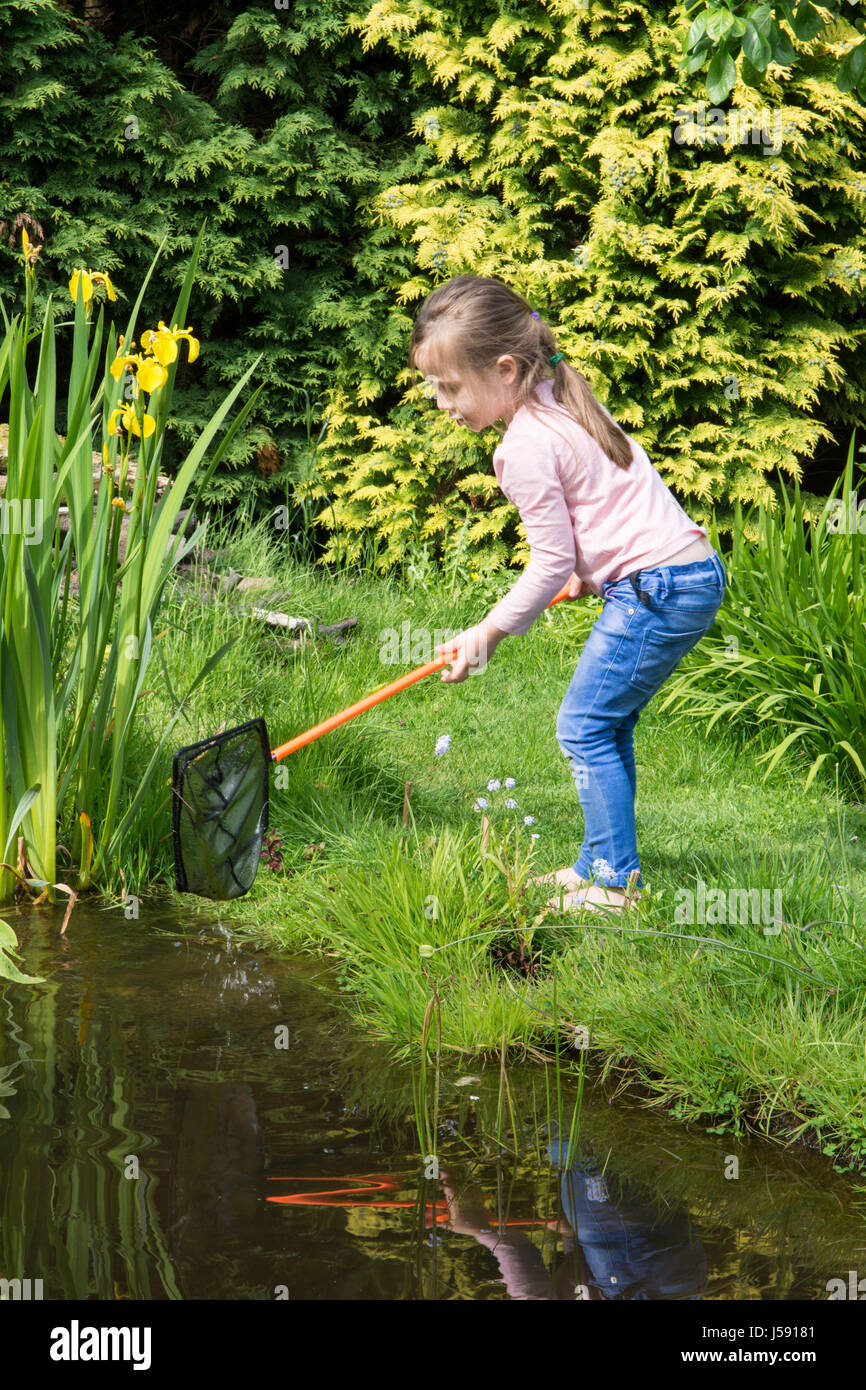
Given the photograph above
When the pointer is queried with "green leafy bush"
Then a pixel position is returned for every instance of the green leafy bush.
(712, 295)
(272, 130)
(348, 161)
(755, 34)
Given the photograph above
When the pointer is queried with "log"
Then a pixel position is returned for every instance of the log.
(274, 619)
(333, 629)
(303, 626)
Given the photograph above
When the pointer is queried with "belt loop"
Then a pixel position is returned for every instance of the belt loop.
(641, 593)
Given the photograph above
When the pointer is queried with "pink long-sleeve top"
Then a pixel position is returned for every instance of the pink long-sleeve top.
(592, 518)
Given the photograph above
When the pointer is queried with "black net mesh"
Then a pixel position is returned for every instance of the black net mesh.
(220, 811)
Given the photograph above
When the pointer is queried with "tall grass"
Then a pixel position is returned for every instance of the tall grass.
(787, 653)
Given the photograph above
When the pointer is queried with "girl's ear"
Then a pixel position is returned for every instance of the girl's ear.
(507, 368)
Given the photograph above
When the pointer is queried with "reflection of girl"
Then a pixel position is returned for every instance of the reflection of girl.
(613, 1249)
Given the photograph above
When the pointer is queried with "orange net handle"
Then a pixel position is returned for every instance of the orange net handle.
(383, 693)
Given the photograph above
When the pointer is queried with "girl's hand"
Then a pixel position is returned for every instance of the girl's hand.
(468, 1214)
(474, 647)
(577, 588)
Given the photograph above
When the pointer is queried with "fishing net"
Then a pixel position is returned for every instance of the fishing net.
(220, 811)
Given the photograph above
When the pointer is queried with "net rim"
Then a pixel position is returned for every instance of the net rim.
(181, 760)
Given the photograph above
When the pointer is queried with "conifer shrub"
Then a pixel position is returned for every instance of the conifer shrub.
(704, 268)
(268, 123)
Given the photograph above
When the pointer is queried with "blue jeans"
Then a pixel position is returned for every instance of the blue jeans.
(649, 621)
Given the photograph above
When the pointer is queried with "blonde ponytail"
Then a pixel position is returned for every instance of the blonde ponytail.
(572, 390)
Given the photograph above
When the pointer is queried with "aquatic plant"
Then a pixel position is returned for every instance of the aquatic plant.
(73, 665)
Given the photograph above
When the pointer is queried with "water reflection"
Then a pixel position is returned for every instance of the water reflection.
(185, 1118)
(616, 1242)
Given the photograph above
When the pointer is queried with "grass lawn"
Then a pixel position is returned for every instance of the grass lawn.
(729, 1021)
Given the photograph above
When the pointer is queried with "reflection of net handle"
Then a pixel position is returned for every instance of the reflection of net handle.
(383, 693)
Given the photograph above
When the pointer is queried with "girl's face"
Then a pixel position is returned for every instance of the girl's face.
(475, 401)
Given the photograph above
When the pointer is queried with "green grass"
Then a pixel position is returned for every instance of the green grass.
(721, 1022)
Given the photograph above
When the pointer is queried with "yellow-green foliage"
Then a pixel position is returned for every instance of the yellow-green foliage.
(711, 292)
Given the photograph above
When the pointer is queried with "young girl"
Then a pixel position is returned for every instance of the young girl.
(595, 511)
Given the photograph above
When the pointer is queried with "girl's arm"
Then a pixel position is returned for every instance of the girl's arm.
(529, 477)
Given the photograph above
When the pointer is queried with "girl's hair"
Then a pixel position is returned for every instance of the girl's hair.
(472, 320)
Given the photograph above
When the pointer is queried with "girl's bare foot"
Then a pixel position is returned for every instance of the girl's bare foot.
(596, 896)
(562, 878)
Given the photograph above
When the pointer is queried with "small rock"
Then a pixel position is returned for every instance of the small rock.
(248, 586)
(230, 581)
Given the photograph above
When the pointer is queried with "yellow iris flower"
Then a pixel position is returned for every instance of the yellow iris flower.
(121, 362)
(86, 285)
(29, 251)
(129, 421)
(163, 341)
(151, 374)
(88, 279)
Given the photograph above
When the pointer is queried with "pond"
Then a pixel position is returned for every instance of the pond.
(186, 1117)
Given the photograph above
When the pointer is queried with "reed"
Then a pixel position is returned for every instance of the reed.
(73, 667)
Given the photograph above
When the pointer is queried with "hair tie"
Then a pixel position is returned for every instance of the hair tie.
(556, 356)
(535, 313)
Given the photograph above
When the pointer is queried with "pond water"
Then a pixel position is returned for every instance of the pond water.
(184, 1117)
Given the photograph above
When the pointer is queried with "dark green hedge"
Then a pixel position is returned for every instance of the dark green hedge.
(349, 161)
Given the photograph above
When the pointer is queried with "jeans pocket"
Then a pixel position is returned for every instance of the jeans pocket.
(623, 602)
(660, 653)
